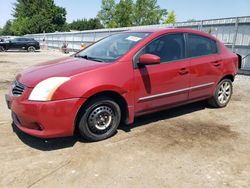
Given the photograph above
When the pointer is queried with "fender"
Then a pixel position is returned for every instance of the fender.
(103, 88)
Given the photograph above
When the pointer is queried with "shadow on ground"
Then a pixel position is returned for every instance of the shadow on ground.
(60, 143)
(165, 114)
(45, 144)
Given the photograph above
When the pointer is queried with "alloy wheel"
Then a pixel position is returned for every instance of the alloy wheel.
(224, 93)
(31, 49)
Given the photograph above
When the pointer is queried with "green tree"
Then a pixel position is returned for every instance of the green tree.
(147, 12)
(124, 13)
(84, 24)
(37, 16)
(7, 28)
(171, 18)
(20, 26)
(107, 13)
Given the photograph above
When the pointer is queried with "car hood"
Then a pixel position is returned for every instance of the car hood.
(65, 67)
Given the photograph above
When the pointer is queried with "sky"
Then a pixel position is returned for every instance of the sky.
(184, 9)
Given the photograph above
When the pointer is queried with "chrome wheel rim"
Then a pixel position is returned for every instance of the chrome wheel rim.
(224, 92)
(100, 119)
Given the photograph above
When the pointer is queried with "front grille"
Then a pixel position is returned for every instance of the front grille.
(17, 88)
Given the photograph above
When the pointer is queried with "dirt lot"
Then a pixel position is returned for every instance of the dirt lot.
(190, 146)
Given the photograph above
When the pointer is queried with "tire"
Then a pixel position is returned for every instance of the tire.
(31, 49)
(99, 119)
(2, 49)
(222, 94)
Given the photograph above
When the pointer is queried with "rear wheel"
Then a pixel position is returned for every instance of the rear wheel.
(2, 49)
(31, 49)
(99, 119)
(222, 94)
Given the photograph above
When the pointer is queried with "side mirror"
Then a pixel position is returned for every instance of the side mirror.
(10, 41)
(149, 59)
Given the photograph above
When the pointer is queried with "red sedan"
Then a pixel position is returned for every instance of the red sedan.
(118, 78)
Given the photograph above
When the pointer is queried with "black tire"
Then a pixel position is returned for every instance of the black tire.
(99, 119)
(31, 49)
(222, 94)
(2, 49)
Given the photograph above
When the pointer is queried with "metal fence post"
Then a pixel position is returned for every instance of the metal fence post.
(73, 43)
(236, 33)
(201, 25)
(82, 37)
(52, 38)
(94, 36)
(58, 40)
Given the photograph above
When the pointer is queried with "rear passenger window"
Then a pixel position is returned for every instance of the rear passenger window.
(169, 47)
(199, 46)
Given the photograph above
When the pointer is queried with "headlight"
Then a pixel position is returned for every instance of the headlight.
(45, 89)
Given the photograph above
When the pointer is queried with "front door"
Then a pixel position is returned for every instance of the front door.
(165, 83)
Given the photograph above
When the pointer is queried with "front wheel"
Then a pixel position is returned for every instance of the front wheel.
(99, 119)
(222, 94)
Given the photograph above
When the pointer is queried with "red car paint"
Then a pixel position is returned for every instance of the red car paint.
(144, 89)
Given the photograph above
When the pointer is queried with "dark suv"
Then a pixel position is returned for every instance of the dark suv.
(20, 43)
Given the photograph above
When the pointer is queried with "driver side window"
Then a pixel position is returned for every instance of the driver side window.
(169, 47)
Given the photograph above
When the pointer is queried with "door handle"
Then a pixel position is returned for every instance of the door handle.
(216, 63)
(183, 71)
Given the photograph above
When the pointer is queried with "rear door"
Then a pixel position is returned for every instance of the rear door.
(166, 83)
(205, 65)
(22, 43)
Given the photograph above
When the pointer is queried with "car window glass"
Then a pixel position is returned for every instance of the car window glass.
(21, 39)
(199, 46)
(14, 40)
(169, 47)
(113, 47)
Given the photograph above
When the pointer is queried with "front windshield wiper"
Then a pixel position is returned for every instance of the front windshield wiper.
(90, 58)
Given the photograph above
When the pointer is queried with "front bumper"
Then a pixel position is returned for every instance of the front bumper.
(44, 119)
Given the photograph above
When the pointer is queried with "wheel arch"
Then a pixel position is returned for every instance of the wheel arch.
(117, 97)
(227, 76)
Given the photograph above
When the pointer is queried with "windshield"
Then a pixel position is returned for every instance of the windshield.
(113, 47)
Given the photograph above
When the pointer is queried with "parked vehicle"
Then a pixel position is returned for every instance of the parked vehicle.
(20, 43)
(120, 77)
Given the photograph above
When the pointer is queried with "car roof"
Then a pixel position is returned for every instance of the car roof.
(160, 31)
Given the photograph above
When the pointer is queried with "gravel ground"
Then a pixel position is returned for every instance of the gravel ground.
(189, 146)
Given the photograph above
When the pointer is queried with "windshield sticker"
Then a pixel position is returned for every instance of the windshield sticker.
(133, 38)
